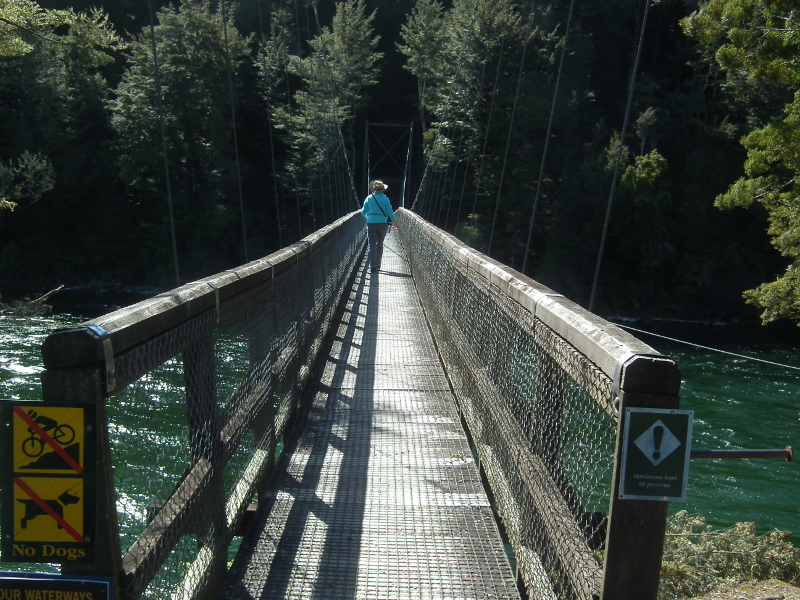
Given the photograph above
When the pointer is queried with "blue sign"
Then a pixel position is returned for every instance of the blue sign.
(37, 586)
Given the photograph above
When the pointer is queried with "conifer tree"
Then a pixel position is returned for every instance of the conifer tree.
(193, 104)
(756, 44)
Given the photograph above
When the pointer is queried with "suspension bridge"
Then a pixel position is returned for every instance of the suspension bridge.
(445, 428)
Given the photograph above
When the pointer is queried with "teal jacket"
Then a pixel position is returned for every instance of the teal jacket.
(372, 208)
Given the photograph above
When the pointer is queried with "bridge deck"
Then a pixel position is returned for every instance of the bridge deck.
(379, 495)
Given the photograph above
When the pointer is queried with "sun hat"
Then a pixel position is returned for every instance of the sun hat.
(378, 186)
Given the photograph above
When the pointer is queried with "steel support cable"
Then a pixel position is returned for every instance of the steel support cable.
(260, 20)
(307, 149)
(274, 175)
(508, 143)
(288, 103)
(712, 349)
(162, 129)
(447, 105)
(453, 187)
(271, 141)
(619, 154)
(229, 67)
(440, 194)
(335, 177)
(340, 192)
(367, 157)
(436, 203)
(439, 135)
(479, 181)
(443, 225)
(407, 165)
(292, 172)
(546, 148)
(463, 189)
(488, 127)
(511, 123)
(336, 115)
(331, 189)
(434, 196)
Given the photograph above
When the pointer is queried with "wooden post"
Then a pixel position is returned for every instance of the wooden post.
(89, 385)
(636, 528)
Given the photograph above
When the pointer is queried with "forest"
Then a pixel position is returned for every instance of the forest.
(638, 156)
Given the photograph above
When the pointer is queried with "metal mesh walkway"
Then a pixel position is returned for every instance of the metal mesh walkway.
(379, 495)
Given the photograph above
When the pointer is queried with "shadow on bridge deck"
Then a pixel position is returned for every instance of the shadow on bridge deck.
(377, 495)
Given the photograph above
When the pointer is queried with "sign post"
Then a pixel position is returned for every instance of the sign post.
(655, 456)
(47, 482)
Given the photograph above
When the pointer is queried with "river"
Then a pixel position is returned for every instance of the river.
(747, 396)
(743, 385)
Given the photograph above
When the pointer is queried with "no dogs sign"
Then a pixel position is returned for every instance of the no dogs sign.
(47, 466)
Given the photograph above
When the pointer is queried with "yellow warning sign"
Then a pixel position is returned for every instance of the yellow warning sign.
(48, 509)
(48, 439)
(47, 482)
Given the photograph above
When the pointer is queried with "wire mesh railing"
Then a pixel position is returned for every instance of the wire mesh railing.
(540, 384)
(179, 471)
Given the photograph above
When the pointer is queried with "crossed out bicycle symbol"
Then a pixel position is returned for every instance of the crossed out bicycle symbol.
(34, 445)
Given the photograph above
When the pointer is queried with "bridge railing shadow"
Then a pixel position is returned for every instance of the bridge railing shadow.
(195, 389)
(541, 384)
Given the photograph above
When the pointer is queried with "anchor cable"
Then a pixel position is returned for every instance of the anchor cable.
(753, 358)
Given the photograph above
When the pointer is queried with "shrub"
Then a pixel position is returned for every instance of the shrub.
(698, 558)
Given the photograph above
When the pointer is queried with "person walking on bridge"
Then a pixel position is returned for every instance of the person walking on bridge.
(377, 210)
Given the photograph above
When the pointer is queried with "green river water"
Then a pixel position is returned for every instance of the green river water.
(738, 402)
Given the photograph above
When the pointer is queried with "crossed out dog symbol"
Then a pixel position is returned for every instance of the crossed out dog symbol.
(33, 509)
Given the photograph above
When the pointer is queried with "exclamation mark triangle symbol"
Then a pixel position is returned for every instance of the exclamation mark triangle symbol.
(658, 435)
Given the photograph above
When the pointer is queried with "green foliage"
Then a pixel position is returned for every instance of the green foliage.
(482, 77)
(424, 38)
(469, 232)
(486, 76)
(23, 21)
(758, 41)
(698, 558)
(273, 54)
(318, 126)
(193, 45)
(27, 180)
(753, 38)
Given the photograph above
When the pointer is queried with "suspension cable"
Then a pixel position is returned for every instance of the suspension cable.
(229, 68)
(619, 154)
(753, 358)
(488, 123)
(407, 168)
(453, 187)
(271, 139)
(160, 102)
(437, 138)
(547, 136)
(511, 122)
(335, 116)
(367, 159)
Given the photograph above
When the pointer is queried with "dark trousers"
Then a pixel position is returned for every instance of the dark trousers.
(376, 233)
